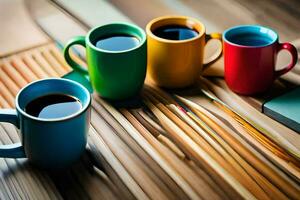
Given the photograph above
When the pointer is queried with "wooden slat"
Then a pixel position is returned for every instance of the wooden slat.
(24, 70)
(58, 56)
(53, 62)
(13, 74)
(44, 64)
(35, 67)
(7, 95)
(117, 167)
(93, 184)
(8, 82)
(128, 159)
(3, 102)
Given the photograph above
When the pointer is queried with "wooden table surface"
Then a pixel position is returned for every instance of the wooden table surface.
(18, 180)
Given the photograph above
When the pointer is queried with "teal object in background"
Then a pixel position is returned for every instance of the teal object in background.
(114, 75)
(49, 143)
(78, 77)
(285, 109)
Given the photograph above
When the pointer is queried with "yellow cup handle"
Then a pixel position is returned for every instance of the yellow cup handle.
(213, 58)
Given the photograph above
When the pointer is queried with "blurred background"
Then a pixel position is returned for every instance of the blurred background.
(28, 23)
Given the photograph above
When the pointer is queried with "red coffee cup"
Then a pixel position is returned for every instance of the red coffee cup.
(250, 53)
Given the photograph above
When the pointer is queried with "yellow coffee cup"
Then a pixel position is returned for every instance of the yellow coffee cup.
(177, 63)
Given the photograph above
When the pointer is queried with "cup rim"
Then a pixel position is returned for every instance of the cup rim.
(83, 109)
(245, 26)
(142, 32)
(166, 17)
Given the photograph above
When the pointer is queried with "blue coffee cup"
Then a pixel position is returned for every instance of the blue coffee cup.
(49, 143)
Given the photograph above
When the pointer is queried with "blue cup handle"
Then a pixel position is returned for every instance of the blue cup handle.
(11, 150)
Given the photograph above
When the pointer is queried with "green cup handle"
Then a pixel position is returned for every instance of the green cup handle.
(75, 40)
(11, 150)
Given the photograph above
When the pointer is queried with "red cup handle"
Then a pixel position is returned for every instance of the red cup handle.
(293, 51)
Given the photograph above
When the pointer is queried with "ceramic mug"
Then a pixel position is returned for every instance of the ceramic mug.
(177, 63)
(48, 143)
(250, 53)
(114, 75)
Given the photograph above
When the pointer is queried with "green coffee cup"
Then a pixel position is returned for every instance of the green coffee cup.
(114, 75)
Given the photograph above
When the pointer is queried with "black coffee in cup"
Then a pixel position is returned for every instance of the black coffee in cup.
(53, 106)
(117, 42)
(175, 32)
(249, 39)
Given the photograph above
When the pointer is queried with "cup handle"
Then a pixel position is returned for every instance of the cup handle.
(213, 58)
(293, 51)
(80, 40)
(11, 150)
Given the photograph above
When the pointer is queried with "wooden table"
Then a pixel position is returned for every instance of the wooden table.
(94, 177)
